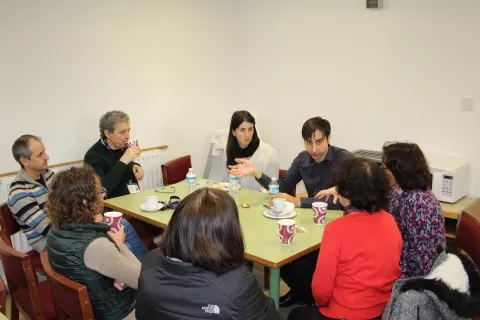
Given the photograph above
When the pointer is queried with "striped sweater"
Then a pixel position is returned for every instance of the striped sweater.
(26, 200)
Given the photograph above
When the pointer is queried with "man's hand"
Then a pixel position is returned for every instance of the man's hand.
(243, 168)
(327, 193)
(130, 154)
(285, 196)
(138, 172)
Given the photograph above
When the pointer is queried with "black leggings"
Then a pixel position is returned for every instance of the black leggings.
(311, 313)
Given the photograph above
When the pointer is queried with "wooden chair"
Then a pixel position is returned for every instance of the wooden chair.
(31, 297)
(3, 297)
(8, 227)
(281, 174)
(468, 232)
(176, 170)
(69, 297)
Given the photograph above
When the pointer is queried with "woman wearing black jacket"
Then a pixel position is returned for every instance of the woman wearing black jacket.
(199, 272)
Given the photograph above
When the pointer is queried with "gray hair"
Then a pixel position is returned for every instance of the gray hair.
(110, 119)
(20, 147)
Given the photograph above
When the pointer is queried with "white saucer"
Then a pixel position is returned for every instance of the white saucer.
(267, 214)
(142, 206)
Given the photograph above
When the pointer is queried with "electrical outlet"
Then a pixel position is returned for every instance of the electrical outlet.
(467, 104)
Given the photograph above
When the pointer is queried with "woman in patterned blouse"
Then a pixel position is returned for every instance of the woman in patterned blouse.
(416, 210)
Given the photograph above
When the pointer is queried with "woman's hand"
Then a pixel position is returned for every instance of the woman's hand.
(327, 193)
(118, 237)
(243, 168)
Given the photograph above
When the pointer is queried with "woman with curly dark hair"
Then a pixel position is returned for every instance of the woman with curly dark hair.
(414, 206)
(360, 252)
(81, 247)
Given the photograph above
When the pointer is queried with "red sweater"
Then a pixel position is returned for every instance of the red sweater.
(357, 265)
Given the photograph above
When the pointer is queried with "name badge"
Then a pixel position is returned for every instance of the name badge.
(133, 188)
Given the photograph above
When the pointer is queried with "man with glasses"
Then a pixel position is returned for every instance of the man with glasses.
(28, 194)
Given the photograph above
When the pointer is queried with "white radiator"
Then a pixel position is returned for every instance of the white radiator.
(150, 161)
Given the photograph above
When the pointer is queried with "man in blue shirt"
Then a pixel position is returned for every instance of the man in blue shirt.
(315, 166)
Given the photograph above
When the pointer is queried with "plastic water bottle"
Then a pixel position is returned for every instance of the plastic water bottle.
(273, 187)
(191, 181)
(233, 187)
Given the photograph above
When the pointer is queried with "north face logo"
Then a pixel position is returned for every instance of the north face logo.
(211, 308)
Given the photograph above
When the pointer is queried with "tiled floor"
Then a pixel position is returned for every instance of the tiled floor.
(257, 271)
(21, 317)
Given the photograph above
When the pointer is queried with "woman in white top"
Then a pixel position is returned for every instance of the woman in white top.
(243, 142)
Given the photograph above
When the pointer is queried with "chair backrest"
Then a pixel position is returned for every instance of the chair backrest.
(281, 174)
(22, 281)
(176, 170)
(468, 232)
(7, 223)
(3, 297)
(69, 297)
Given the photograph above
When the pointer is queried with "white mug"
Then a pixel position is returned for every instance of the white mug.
(151, 202)
(279, 204)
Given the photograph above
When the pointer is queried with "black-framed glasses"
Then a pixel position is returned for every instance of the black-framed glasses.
(165, 190)
(171, 204)
(103, 192)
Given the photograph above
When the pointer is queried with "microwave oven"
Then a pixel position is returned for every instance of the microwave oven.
(450, 175)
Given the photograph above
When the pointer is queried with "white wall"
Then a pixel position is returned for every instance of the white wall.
(171, 65)
(377, 75)
(180, 67)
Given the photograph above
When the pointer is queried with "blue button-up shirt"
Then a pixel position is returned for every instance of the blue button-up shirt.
(315, 176)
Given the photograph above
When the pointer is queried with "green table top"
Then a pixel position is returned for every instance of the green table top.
(262, 243)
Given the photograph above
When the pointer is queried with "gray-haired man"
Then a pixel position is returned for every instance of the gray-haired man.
(112, 159)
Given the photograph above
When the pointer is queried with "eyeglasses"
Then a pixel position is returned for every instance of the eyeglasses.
(171, 204)
(103, 192)
(164, 190)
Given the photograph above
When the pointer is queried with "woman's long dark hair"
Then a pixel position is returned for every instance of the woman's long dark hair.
(205, 230)
(233, 148)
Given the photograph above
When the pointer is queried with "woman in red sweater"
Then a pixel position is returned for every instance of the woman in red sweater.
(360, 252)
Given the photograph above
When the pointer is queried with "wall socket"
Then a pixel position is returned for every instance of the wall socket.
(467, 104)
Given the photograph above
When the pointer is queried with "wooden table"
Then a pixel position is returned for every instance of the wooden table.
(262, 244)
(453, 211)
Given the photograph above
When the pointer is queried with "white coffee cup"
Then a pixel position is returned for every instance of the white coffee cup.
(279, 204)
(151, 202)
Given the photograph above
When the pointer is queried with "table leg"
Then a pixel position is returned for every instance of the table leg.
(275, 285)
